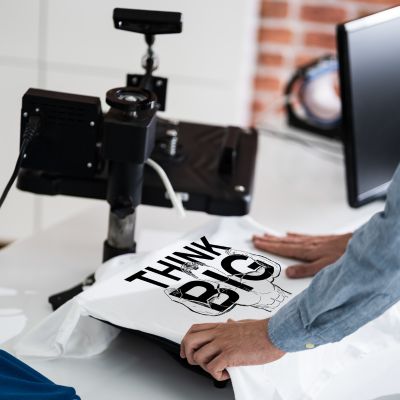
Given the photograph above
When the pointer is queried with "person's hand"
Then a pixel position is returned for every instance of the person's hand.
(217, 346)
(315, 252)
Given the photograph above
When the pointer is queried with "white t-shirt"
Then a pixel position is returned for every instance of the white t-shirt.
(209, 275)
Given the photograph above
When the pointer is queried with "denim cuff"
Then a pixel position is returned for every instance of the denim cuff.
(287, 331)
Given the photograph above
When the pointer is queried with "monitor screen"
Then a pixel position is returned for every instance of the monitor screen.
(369, 59)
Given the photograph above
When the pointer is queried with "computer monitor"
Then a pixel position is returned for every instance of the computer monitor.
(369, 63)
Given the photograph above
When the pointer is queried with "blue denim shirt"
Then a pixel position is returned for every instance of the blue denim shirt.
(354, 290)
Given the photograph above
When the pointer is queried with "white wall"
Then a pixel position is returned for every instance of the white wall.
(71, 45)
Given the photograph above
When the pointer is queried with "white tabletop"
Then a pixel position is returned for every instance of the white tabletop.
(297, 188)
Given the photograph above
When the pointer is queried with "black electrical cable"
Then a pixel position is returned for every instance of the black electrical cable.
(31, 130)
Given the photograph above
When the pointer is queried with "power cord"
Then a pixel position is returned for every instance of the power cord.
(30, 132)
(176, 200)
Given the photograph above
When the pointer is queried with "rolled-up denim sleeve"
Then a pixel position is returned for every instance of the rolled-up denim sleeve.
(356, 289)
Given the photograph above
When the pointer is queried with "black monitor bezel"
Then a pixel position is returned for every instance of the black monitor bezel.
(355, 199)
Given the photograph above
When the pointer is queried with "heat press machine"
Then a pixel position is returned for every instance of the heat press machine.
(70, 147)
(79, 151)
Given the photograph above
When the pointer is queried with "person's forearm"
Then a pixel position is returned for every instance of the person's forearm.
(359, 287)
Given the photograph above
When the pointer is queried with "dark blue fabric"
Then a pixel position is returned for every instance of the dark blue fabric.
(18, 381)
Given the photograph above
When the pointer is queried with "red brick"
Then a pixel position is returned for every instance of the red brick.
(365, 11)
(303, 59)
(275, 35)
(259, 115)
(274, 9)
(258, 106)
(325, 14)
(271, 59)
(320, 39)
(268, 83)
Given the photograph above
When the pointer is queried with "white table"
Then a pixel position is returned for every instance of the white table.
(296, 189)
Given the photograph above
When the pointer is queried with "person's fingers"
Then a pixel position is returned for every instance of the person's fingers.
(279, 239)
(288, 235)
(230, 320)
(205, 354)
(309, 243)
(307, 270)
(193, 341)
(217, 368)
(300, 235)
(202, 327)
(182, 352)
(291, 250)
(193, 329)
(224, 376)
(264, 237)
(314, 238)
(295, 236)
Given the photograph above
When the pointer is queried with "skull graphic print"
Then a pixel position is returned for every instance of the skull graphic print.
(238, 278)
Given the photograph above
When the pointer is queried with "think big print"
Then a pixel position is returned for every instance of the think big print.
(211, 279)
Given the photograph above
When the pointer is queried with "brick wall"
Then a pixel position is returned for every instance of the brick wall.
(294, 32)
